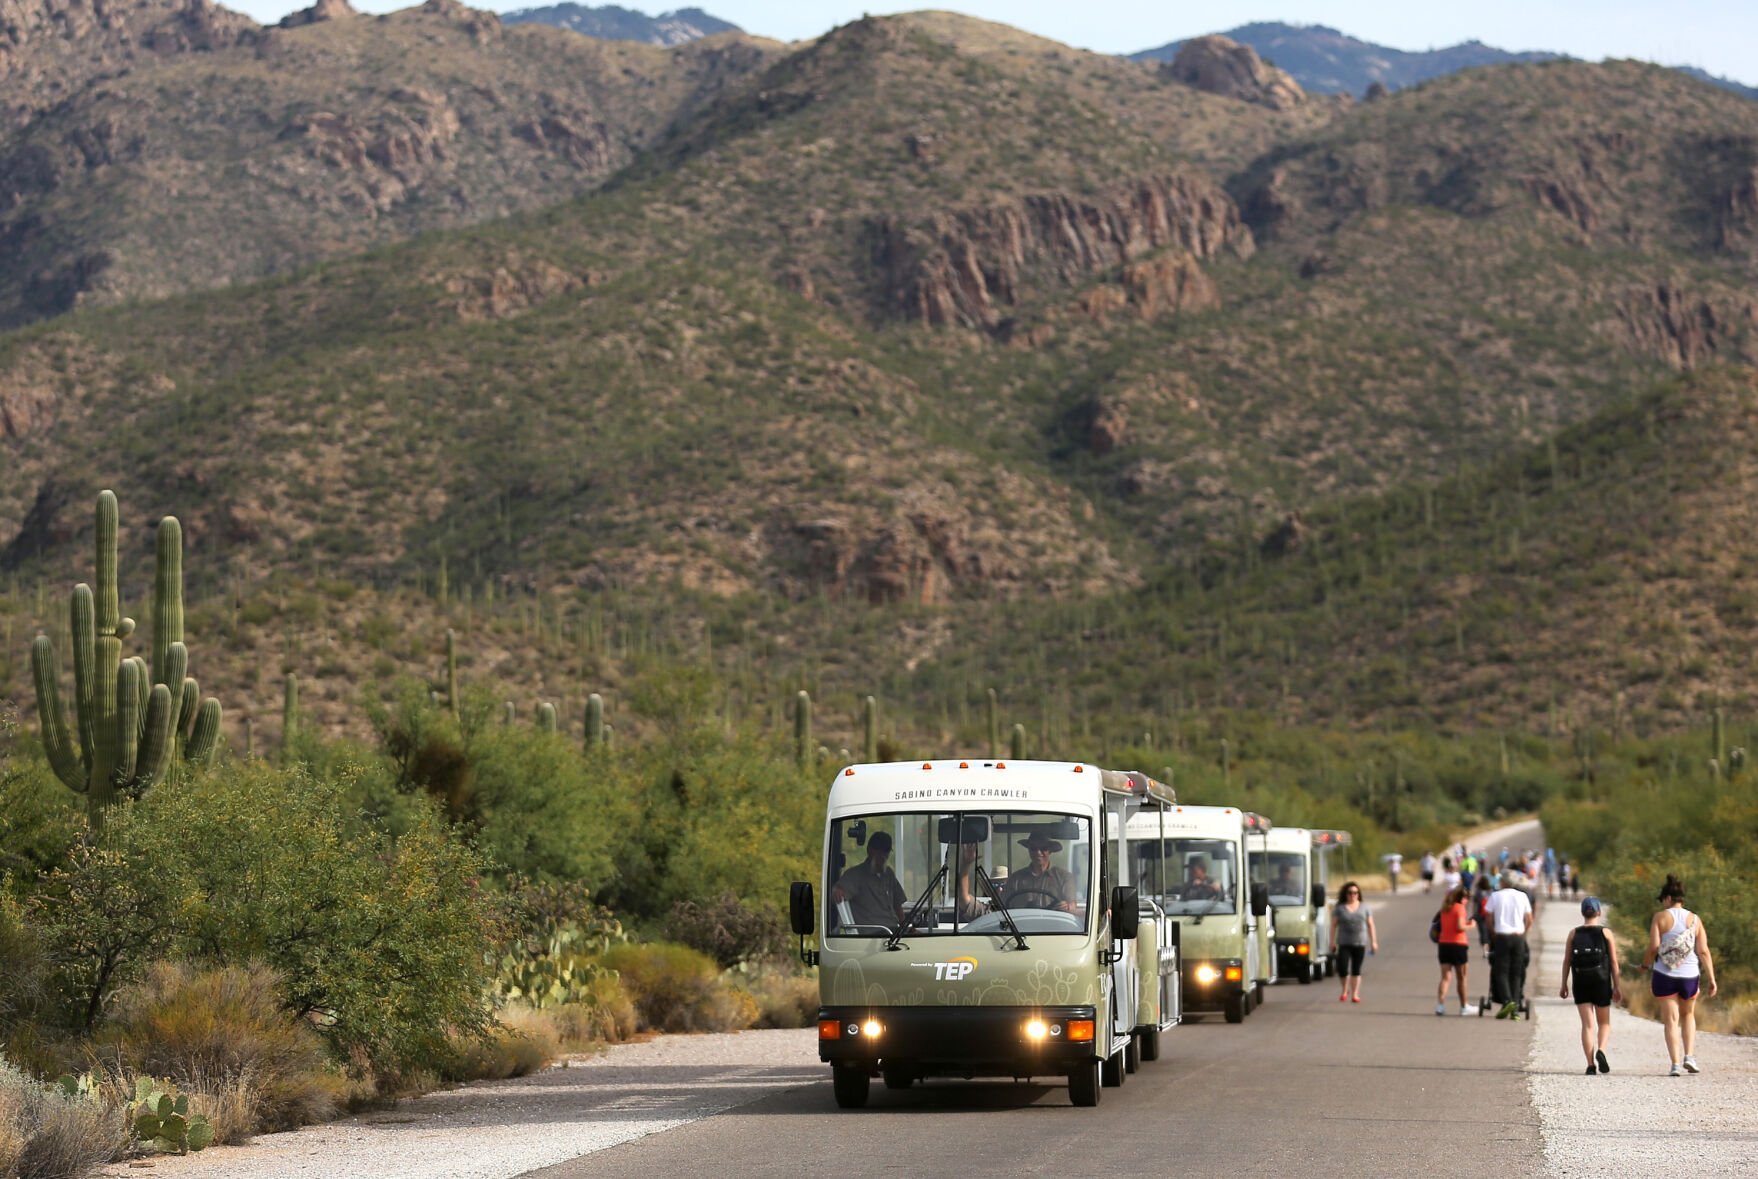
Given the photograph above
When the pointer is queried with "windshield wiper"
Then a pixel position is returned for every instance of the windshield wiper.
(1213, 901)
(909, 919)
(1006, 916)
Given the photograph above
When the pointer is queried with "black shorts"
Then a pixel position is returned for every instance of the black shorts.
(1428, 875)
(1454, 955)
(1349, 959)
(1595, 990)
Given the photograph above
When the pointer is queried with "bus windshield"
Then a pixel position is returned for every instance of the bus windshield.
(1286, 877)
(946, 872)
(1202, 875)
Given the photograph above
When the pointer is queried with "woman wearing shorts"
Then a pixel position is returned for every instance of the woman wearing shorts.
(1678, 953)
(1454, 949)
(1353, 936)
(1596, 983)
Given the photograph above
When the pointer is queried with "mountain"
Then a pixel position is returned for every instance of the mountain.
(264, 149)
(931, 351)
(1330, 62)
(612, 23)
(1740, 88)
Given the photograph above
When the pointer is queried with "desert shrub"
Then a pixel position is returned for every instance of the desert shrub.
(226, 1036)
(784, 999)
(25, 980)
(524, 1042)
(727, 929)
(47, 1134)
(677, 989)
(379, 939)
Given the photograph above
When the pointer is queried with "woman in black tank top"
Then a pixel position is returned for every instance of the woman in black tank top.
(1590, 963)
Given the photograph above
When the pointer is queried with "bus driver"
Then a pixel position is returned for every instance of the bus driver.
(871, 888)
(1197, 885)
(1039, 885)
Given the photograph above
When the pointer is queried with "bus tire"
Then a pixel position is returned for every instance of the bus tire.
(1112, 1073)
(1303, 972)
(1132, 1055)
(1083, 1084)
(850, 1083)
(1150, 1044)
(1235, 1010)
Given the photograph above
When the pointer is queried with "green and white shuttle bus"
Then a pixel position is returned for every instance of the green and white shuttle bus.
(1199, 853)
(1294, 863)
(977, 919)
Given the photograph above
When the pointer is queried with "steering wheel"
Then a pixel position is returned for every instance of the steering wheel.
(1012, 899)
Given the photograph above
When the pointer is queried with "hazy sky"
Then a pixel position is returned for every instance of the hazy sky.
(1720, 36)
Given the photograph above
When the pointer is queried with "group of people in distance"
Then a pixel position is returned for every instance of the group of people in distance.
(1677, 957)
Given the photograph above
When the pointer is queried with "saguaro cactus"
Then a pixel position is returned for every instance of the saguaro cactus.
(1016, 744)
(134, 721)
(289, 715)
(803, 727)
(594, 722)
(870, 725)
(546, 717)
(451, 669)
(994, 724)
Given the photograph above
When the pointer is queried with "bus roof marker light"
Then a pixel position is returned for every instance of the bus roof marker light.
(964, 765)
(1080, 769)
(849, 773)
(1000, 765)
(927, 765)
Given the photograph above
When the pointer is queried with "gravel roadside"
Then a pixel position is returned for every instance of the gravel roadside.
(1635, 1121)
(498, 1129)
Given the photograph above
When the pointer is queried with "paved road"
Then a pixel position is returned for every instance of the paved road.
(1306, 1084)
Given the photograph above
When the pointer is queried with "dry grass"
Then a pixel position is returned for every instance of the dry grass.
(1738, 1017)
(45, 1134)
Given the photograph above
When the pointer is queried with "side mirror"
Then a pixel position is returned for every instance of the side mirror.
(1175, 935)
(1318, 896)
(1125, 913)
(801, 911)
(1260, 898)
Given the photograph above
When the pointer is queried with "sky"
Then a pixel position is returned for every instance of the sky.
(1720, 36)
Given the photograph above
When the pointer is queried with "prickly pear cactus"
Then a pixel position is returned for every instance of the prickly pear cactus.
(160, 1117)
(134, 722)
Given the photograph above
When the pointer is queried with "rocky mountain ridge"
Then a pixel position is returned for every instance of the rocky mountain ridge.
(613, 23)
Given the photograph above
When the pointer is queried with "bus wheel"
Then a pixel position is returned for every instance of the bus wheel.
(896, 1078)
(1304, 973)
(850, 1083)
(1112, 1073)
(1083, 1084)
(1132, 1055)
(1150, 1044)
(1236, 1008)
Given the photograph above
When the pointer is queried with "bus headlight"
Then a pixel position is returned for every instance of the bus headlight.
(1036, 1030)
(871, 1029)
(1206, 974)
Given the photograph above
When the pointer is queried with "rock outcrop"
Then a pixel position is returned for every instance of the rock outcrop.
(321, 11)
(1684, 329)
(964, 267)
(1220, 65)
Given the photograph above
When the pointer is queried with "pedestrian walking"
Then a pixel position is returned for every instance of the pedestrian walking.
(1454, 950)
(1590, 962)
(1678, 955)
(1427, 867)
(1510, 911)
(1451, 877)
(1394, 865)
(1353, 938)
(1550, 872)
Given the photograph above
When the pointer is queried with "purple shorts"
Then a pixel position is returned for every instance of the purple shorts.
(1665, 986)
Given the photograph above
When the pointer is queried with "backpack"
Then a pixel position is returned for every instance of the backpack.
(1434, 930)
(1588, 958)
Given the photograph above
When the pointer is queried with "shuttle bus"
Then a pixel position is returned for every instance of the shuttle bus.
(977, 920)
(1294, 863)
(1199, 853)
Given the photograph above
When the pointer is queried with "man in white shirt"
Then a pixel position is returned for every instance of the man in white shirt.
(1510, 912)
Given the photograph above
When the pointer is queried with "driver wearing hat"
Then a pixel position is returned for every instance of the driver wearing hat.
(1039, 885)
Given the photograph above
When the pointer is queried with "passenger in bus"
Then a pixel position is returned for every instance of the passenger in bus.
(1041, 885)
(871, 888)
(1197, 885)
(971, 901)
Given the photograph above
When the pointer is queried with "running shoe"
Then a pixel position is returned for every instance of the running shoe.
(1675, 1071)
(1600, 1060)
(1472, 1010)
(1691, 1065)
(1591, 1070)
(1440, 1008)
(1507, 1011)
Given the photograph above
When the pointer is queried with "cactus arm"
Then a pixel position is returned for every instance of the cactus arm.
(143, 690)
(83, 622)
(594, 721)
(128, 722)
(155, 745)
(46, 670)
(106, 676)
(188, 711)
(168, 602)
(206, 732)
(546, 717)
(109, 600)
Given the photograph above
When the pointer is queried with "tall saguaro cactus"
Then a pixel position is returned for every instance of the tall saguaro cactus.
(803, 727)
(134, 721)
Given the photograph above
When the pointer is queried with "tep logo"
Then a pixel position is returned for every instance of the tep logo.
(955, 970)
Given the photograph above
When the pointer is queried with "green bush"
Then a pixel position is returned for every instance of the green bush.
(677, 989)
(727, 929)
(47, 1132)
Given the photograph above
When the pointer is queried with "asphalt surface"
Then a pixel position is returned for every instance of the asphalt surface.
(1305, 1085)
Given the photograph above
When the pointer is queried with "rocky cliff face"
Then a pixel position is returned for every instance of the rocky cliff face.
(1217, 65)
(967, 266)
(1686, 329)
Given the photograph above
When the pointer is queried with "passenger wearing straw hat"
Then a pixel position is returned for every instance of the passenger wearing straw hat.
(1040, 885)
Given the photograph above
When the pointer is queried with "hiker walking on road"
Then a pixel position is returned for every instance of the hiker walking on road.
(1678, 953)
(1510, 911)
(1427, 867)
(1454, 950)
(1590, 961)
(1353, 937)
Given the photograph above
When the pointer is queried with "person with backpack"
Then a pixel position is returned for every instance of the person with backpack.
(1447, 931)
(1678, 954)
(1590, 958)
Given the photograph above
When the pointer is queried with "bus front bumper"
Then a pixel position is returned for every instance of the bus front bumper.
(1209, 981)
(961, 1041)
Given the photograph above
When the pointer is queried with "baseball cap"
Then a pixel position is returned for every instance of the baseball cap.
(1590, 907)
